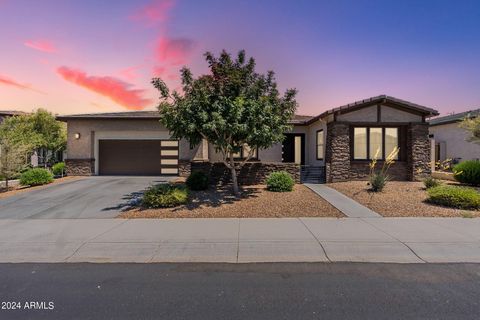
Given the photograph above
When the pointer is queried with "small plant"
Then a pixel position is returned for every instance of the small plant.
(468, 172)
(36, 177)
(165, 196)
(378, 180)
(58, 169)
(454, 197)
(445, 165)
(280, 181)
(197, 180)
(430, 182)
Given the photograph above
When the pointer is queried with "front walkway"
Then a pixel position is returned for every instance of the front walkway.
(402, 240)
(346, 205)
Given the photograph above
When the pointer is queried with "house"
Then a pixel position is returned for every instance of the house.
(9, 113)
(333, 146)
(451, 141)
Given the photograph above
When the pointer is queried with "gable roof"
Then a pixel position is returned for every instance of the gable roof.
(426, 111)
(455, 117)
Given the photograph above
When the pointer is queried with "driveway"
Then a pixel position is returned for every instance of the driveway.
(91, 197)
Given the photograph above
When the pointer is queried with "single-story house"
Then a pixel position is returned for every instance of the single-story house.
(336, 145)
(9, 113)
(450, 140)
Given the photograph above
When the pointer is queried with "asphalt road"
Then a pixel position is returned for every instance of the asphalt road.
(90, 197)
(253, 291)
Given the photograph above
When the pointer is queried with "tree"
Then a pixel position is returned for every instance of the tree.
(37, 130)
(12, 157)
(231, 107)
(472, 125)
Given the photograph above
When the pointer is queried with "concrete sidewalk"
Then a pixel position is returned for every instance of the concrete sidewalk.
(402, 240)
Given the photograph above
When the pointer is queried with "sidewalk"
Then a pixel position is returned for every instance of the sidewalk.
(402, 240)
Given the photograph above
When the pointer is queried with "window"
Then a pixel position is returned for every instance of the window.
(320, 148)
(359, 143)
(374, 142)
(244, 152)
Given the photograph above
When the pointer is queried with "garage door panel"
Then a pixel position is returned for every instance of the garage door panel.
(129, 157)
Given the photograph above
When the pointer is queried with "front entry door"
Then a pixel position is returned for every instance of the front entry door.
(293, 148)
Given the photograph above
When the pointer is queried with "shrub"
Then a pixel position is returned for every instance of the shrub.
(197, 181)
(468, 172)
(430, 182)
(36, 177)
(58, 169)
(280, 181)
(455, 197)
(165, 196)
(378, 181)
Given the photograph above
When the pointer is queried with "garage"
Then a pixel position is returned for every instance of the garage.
(137, 157)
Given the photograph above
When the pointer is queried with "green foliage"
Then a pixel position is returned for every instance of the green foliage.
(472, 125)
(37, 130)
(280, 181)
(58, 169)
(377, 181)
(232, 106)
(197, 180)
(165, 196)
(430, 182)
(36, 177)
(455, 197)
(468, 172)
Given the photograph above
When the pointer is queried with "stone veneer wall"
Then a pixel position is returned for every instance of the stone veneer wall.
(339, 167)
(337, 154)
(184, 168)
(418, 151)
(250, 173)
(80, 167)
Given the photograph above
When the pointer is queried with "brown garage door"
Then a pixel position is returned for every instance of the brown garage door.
(137, 157)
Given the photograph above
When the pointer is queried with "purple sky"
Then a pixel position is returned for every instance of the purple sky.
(99, 56)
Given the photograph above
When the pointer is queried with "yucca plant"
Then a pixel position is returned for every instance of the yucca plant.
(378, 179)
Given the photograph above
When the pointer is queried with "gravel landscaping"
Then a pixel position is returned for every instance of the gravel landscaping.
(399, 199)
(256, 202)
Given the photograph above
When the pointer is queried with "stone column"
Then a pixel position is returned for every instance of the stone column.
(337, 154)
(418, 151)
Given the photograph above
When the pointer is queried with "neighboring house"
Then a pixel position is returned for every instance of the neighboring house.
(333, 146)
(5, 114)
(450, 140)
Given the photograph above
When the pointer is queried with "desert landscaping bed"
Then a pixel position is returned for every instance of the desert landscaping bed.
(399, 199)
(256, 202)
(21, 189)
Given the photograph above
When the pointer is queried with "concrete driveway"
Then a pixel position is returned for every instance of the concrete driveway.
(91, 197)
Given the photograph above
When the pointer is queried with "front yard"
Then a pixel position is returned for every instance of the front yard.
(256, 202)
(13, 190)
(399, 199)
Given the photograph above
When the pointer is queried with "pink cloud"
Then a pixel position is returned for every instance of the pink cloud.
(154, 12)
(159, 71)
(41, 45)
(130, 73)
(173, 51)
(10, 82)
(113, 88)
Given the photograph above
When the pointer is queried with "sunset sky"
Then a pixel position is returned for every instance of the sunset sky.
(99, 56)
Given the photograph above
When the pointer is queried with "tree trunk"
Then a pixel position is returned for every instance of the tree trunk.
(236, 191)
(6, 183)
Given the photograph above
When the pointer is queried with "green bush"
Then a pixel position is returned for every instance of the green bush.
(58, 169)
(197, 181)
(430, 182)
(280, 181)
(455, 197)
(36, 177)
(165, 196)
(468, 172)
(378, 182)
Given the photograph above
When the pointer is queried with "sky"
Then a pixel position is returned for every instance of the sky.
(86, 56)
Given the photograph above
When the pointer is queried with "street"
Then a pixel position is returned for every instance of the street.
(243, 291)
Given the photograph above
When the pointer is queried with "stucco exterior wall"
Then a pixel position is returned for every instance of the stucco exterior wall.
(311, 143)
(367, 114)
(389, 114)
(453, 142)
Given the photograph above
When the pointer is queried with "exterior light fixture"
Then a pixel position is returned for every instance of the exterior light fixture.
(77, 136)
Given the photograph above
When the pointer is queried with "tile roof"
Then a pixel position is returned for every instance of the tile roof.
(454, 117)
